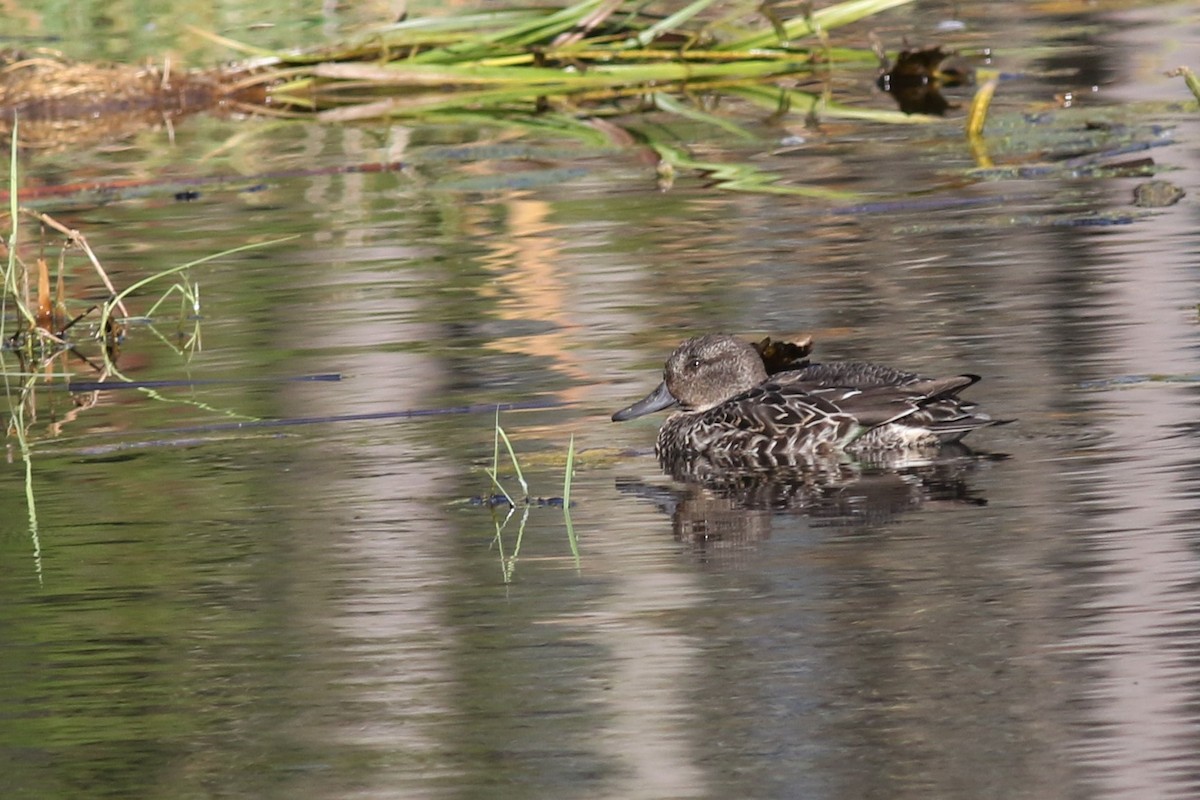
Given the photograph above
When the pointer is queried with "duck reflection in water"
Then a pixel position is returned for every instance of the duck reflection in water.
(759, 426)
(721, 510)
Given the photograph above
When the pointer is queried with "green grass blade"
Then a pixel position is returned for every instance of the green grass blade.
(13, 186)
(568, 476)
(532, 80)
(494, 472)
(569, 473)
(14, 208)
(1189, 78)
(496, 482)
(671, 22)
(106, 312)
(418, 29)
(552, 25)
(824, 19)
(668, 103)
(572, 539)
(803, 103)
(538, 29)
(512, 455)
(496, 444)
(738, 176)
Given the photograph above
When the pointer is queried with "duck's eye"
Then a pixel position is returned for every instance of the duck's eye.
(695, 363)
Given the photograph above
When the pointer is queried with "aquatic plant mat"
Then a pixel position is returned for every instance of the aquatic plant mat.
(607, 73)
(597, 57)
(590, 53)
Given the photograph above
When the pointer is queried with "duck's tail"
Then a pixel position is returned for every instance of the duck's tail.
(922, 413)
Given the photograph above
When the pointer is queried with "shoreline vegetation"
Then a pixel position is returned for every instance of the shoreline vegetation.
(590, 59)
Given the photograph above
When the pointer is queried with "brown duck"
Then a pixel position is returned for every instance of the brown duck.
(730, 411)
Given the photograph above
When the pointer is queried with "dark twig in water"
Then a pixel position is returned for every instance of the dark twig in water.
(96, 386)
(336, 418)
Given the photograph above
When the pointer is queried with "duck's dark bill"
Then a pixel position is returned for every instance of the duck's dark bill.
(657, 400)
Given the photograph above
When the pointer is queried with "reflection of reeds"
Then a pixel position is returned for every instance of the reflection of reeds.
(591, 52)
(565, 69)
(64, 103)
(577, 69)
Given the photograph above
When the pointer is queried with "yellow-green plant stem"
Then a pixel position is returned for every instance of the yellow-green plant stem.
(568, 476)
(494, 472)
(980, 103)
(17, 412)
(670, 22)
(823, 19)
(1189, 78)
(569, 473)
(10, 275)
(512, 456)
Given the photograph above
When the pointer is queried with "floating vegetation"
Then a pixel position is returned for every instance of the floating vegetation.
(609, 73)
(580, 57)
(595, 70)
(592, 58)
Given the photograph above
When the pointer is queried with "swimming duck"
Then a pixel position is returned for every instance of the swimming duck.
(730, 411)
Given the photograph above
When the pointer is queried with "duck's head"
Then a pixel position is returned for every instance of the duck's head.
(703, 372)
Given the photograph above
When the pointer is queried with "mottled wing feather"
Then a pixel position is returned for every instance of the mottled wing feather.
(852, 374)
(771, 423)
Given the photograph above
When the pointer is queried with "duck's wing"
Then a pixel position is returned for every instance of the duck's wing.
(874, 405)
(924, 408)
(779, 417)
(852, 374)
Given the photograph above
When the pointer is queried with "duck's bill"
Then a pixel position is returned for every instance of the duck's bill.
(657, 400)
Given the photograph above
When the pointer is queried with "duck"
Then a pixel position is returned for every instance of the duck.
(729, 409)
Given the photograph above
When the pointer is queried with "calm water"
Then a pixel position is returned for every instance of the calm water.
(317, 611)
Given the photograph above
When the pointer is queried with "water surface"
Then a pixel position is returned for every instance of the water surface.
(318, 611)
